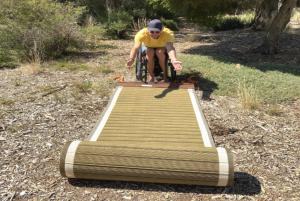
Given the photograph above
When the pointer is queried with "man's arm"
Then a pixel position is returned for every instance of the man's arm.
(132, 55)
(172, 54)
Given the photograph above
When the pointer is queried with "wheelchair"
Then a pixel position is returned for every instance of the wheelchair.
(142, 71)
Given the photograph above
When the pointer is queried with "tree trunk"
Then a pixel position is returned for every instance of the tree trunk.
(270, 44)
(108, 5)
(111, 5)
(266, 10)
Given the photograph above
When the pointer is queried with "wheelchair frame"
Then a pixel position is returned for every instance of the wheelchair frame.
(142, 71)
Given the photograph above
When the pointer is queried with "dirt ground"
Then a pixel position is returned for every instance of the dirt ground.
(41, 110)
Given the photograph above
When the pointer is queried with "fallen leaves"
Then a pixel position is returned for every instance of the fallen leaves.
(119, 78)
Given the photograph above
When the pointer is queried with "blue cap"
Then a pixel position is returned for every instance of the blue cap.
(155, 25)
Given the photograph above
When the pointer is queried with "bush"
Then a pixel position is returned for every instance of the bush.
(38, 30)
(118, 23)
(6, 58)
(229, 22)
(93, 33)
(171, 24)
(160, 8)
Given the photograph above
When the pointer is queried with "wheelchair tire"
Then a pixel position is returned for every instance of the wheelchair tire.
(138, 70)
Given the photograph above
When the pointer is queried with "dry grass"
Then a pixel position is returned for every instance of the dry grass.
(70, 66)
(46, 88)
(106, 70)
(274, 110)
(103, 88)
(96, 68)
(84, 86)
(59, 98)
(4, 101)
(31, 69)
(18, 82)
(248, 96)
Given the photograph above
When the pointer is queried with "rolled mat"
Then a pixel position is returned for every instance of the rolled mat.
(95, 160)
(150, 134)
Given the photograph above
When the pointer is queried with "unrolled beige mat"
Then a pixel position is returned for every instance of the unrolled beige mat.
(150, 134)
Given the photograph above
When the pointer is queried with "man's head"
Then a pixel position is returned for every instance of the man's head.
(154, 27)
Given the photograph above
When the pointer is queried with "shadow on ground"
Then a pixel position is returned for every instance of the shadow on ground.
(8, 66)
(238, 47)
(244, 184)
(193, 77)
(200, 83)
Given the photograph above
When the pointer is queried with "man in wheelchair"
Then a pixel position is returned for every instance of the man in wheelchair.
(157, 42)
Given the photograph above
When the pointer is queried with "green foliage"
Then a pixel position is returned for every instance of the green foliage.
(270, 86)
(69, 65)
(121, 15)
(93, 33)
(38, 30)
(203, 11)
(118, 23)
(171, 24)
(228, 22)
(160, 9)
(135, 8)
(7, 57)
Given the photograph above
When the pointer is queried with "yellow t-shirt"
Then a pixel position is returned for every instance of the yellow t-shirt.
(143, 36)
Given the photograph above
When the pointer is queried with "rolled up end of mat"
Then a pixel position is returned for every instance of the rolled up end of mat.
(94, 160)
(67, 158)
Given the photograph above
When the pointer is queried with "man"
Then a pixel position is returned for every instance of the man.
(156, 39)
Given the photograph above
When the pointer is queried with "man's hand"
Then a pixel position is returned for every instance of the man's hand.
(177, 65)
(130, 62)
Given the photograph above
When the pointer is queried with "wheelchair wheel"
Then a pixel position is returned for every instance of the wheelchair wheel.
(140, 67)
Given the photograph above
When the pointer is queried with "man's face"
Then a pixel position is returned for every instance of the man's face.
(154, 34)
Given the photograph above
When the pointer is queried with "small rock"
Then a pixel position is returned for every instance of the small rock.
(49, 144)
(2, 128)
(127, 197)
(23, 193)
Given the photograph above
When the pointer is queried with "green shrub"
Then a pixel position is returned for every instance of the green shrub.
(160, 8)
(7, 58)
(118, 23)
(229, 22)
(171, 24)
(93, 33)
(38, 30)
